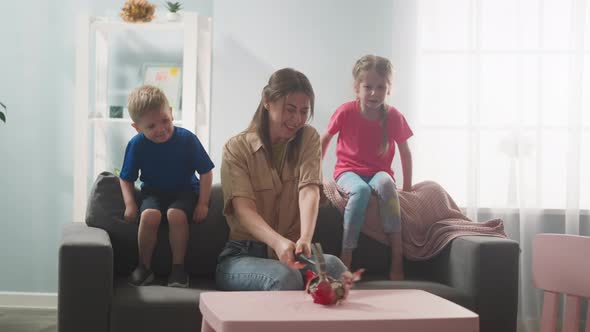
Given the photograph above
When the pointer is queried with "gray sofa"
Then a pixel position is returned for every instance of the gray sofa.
(477, 272)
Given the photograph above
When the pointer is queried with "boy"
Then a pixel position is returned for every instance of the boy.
(167, 157)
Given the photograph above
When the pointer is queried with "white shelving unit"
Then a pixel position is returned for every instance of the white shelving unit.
(91, 117)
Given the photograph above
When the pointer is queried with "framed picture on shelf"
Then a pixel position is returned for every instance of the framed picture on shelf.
(167, 77)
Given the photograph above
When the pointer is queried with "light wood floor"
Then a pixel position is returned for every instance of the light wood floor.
(28, 320)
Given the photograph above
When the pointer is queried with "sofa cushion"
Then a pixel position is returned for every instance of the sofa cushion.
(371, 255)
(106, 209)
(452, 294)
(158, 308)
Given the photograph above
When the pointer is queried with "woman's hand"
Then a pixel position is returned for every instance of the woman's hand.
(285, 250)
(303, 246)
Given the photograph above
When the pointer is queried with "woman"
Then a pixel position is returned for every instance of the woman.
(271, 177)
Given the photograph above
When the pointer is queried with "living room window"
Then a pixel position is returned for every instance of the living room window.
(503, 101)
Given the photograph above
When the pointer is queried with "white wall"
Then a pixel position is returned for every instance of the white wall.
(322, 39)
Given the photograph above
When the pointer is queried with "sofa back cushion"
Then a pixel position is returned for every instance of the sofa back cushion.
(106, 209)
(371, 255)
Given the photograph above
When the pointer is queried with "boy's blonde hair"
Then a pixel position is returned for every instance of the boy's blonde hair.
(383, 67)
(144, 99)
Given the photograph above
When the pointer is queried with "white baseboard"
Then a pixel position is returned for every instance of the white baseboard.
(28, 300)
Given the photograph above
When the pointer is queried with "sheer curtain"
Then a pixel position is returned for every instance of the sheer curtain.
(501, 105)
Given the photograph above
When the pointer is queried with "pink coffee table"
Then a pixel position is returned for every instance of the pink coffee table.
(364, 311)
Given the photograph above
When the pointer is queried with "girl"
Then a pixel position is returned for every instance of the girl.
(365, 149)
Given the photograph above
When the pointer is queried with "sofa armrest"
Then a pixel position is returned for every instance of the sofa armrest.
(85, 279)
(486, 268)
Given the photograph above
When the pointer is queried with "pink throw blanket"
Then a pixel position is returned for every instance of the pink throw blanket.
(430, 219)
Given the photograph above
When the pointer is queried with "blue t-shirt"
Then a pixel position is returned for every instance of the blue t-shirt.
(168, 166)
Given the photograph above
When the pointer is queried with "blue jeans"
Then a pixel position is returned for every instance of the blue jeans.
(244, 266)
(359, 190)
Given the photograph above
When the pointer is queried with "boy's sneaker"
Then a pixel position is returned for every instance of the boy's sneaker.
(178, 277)
(141, 276)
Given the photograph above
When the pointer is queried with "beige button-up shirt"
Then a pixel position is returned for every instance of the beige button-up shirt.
(247, 172)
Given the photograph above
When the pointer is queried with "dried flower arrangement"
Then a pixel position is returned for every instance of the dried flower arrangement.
(137, 11)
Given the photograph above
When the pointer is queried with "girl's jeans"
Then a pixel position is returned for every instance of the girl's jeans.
(244, 266)
(359, 190)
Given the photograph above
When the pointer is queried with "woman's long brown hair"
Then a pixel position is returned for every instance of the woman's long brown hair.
(281, 83)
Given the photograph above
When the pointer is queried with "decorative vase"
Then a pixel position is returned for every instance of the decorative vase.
(172, 17)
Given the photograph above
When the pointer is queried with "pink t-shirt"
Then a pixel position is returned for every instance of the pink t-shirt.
(359, 140)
